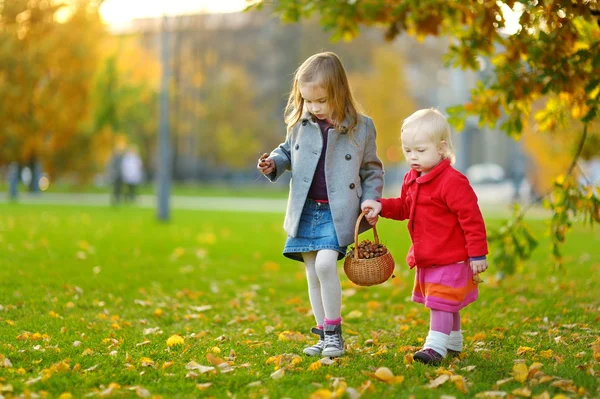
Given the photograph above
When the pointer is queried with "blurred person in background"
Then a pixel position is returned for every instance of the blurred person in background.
(330, 149)
(115, 172)
(132, 172)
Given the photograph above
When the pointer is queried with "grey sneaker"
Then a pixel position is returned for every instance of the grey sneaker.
(334, 343)
(317, 348)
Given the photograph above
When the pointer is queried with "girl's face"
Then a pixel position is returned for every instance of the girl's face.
(316, 100)
(422, 154)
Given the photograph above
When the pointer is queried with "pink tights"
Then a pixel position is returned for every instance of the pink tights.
(444, 322)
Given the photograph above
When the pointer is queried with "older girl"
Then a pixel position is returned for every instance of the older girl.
(331, 152)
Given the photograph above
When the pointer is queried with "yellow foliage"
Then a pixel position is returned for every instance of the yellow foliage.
(174, 340)
(520, 372)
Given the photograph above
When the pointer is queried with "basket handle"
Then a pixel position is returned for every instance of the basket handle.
(362, 214)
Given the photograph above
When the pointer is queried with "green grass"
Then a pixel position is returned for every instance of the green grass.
(101, 276)
(256, 189)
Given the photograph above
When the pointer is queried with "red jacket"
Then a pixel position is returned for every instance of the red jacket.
(444, 220)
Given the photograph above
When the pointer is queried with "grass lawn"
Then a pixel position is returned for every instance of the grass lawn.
(259, 188)
(90, 296)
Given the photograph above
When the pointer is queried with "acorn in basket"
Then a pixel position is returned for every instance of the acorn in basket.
(368, 249)
(368, 262)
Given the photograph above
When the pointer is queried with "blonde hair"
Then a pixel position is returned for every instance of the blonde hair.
(431, 123)
(326, 70)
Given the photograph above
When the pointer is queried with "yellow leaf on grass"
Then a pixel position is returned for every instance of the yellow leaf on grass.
(214, 360)
(291, 336)
(520, 372)
(315, 366)
(271, 266)
(491, 394)
(278, 374)
(322, 394)
(546, 354)
(65, 395)
(460, 383)
(524, 349)
(438, 381)
(523, 392)
(166, 365)
(384, 374)
(478, 337)
(175, 339)
(355, 314)
(596, 349)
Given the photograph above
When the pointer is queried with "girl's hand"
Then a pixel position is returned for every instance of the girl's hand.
(479, 266)
(265, 164)
(373, 208)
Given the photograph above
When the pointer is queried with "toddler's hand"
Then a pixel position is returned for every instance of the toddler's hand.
(479, 266)
(373, 208)
(265, 164)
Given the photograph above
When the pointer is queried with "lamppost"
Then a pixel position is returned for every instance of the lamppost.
(164, 140)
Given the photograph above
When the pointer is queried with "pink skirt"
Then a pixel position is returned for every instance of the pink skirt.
(448, 288)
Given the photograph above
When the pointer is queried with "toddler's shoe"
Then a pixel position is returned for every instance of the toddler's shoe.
(428, 356)
(334, 343)
(317, 348)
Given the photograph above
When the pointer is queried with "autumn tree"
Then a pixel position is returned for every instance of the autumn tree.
(384, 105)
(124, 99)
(48, 57)
(544, 78)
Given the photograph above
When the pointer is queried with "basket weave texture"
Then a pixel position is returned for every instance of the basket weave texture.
(371, 271)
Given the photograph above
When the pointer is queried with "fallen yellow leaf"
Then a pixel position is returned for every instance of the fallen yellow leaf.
(438, 381)
(384, 374)
(520, 372)
(523, 392)
(175, 340)
(322, 394)
(291, 336)
(524, 349)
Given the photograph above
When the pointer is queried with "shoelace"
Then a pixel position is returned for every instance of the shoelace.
(332, 340)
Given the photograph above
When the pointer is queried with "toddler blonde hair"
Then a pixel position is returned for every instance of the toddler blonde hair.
(431, 123)
(325, 70)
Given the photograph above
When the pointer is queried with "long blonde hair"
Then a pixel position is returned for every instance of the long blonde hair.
(431, 123)
(326, 70)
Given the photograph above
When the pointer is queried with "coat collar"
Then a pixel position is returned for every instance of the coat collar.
(308, 117)
(433, 173)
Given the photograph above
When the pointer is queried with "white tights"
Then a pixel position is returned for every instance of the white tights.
(324, 289)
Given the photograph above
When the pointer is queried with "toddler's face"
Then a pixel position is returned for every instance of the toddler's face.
(316, 100)
(422, 154)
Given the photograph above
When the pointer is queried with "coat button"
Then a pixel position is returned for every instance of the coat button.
(348, 157)
(352, 186)
(297, 146)
(304, 122)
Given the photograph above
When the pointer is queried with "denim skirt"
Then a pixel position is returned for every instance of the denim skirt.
(315, 232)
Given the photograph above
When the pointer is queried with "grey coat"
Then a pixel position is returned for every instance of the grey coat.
(353, 172)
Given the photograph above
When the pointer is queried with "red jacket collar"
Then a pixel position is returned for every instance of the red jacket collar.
(439, 168)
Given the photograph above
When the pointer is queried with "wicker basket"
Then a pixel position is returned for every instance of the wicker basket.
(371, 271)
